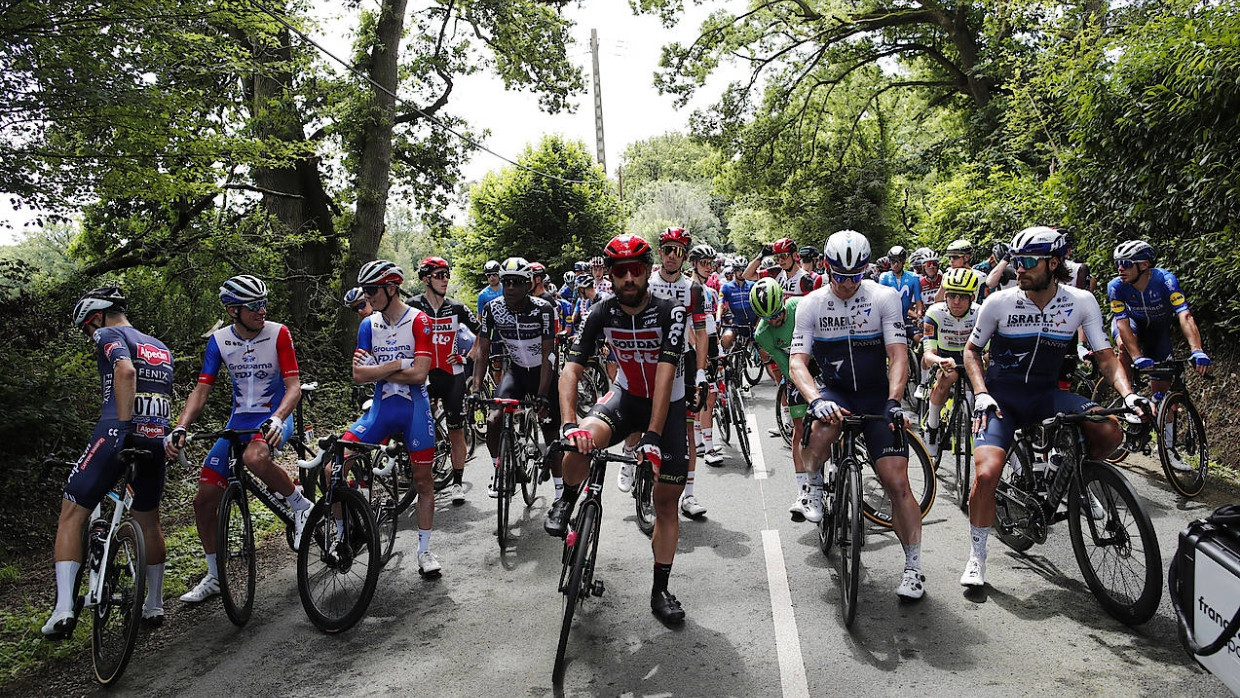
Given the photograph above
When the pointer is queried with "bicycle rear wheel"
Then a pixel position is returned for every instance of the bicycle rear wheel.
(736, 404)
(116, 617)
(382, 500)
(441, 462)
(876, 506)
(783, 418)
(1105, 396)
(235, 545)
(337, 568)
(723, 421)
(399, 472)
(962, 448)
(587, 395)
(533, 454)
(752, 368)
(826, 527)
(1182, 445)
(582, 543)
(851, 535)
(1115, 543)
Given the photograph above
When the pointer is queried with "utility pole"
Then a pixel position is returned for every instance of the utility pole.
(598, 103)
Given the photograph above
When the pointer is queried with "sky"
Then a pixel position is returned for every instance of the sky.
(633, 110)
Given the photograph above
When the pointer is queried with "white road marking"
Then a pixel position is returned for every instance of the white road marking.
(787, 640)
(755, 448)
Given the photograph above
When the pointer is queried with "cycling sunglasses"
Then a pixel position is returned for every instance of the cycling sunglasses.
(372, 289)
(1125, 263)
(255, 306)
(357, 307)
(1028, 261)
(634, 269)
(444, 274)
(839, 278)
(960, 296)
(671, 249)
(513, 281)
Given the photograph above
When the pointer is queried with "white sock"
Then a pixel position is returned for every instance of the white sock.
(912, 557)
(697, 434)
(424, 540)
(559, 487)
(154, 587)
(213, 567)
(708, 437)
(802, 480)
(688, 485)
(815, 480)
(979, 536)
(932, 418)
(66, 574)
(297, 501)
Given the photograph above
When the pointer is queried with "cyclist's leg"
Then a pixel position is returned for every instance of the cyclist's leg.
(148, 489)
(258, 457)
(990, 449)
(1102, 438)
(419, 434)
(669, 485)
(212, 481)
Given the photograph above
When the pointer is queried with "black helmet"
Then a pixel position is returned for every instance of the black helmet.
(103, 298)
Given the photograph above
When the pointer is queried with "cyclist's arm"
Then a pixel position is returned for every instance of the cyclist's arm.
(1110, 367)
(1191, 334)
(996, 274)
(751, 270)
(547, 371)
(482, 349)
(1128, 338)
(414, 374)
(897, 370)
(973, 367)
(124, 387)
(292, 394)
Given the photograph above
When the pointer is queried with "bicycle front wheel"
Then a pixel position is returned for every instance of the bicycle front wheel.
(643, 494)
(723, 420)
(736, 403)
(1114, 543)
(505, 475)
(783, 418)
(338, 564)
(119, 612)
(582, 544)
(851, 536)
(962, 447)
(235, 545)
(753, 367)
(533, 455)
(876, 505)
(1182, 445)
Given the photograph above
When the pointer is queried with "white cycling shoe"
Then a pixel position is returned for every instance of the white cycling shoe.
(974, 573)
(624, 482)
(912, 585)
(812, 507)
(208, 587)
(428, 565)
(689, 506)
(60, 624)
(299, 525)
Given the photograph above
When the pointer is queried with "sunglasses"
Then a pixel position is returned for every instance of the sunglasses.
(513, 281)
(671, 250)
(634, 269)
(935, 262)
(372, 289)
(357, 308)
(492, 273)
(841, 278)
(1125, 263)
(255, 306)
(1027, 261)
(960, 296)
(955, 256)
(441, 275)
(784, 255)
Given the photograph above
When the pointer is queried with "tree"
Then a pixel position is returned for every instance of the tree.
(672, 156)
(661, 204)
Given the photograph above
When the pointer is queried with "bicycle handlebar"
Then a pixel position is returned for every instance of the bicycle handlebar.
(857, 420)
(561, 446)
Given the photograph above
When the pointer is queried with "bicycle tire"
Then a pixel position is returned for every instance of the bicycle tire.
(826, 527)
(876, 506)
(1185, 456)
(962, 448)
(400, 471)
(350, 558)
(722, 418)
(382, 500)
(116, 618)
(912, 381)
(587, 395)
(1020, 458)
(504, 476)
(1104, 395)
(736, 405)
(753, 367)
(1131, 605)
(643, 496)
(580, 558)
(851, 536)
(533, 452)
(441, 462)
(238, 566)
(783, 417)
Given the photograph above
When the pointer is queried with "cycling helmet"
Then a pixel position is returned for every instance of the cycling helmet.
(380, 272)
(768, 263)
(1039, 240)
(569, 277)
(516, 266)
(701, 252)
(896, 254)
(847, 251)
(960, 247)
(1136, 250)
(596, 261)
(353, 296)
(538, 269)
(585, 281)
(783, 245)
(428, 265)
(243, 289)
(630, 248)
(808, 253)
(884, 264)
(491, 267)
(766, 298)
(674, 236)
(931, 256)
(961, 280)
(98, 300)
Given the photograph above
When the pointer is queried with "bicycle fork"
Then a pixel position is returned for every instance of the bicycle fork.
(99, 567)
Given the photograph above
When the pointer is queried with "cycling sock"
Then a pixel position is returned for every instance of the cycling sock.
(154, 587)
(213, 567)
(932, 418)
(912, 557)
(339, 529)
(708, 438)
(662, 573)
(802, 480)
(424, 540)
(697, 433)
(570, 494)
(688, 485)
(297, 501)
(66, 574)
(458, 476)
(559, 487)
(814, 479)
(979, 536)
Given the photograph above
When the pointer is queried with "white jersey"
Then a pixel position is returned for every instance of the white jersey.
(685, 293)
(946, 333)
(849, 338)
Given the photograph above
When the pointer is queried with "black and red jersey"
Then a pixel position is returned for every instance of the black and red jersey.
(445, 321)
(640, 342)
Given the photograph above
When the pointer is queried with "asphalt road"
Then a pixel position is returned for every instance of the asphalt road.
(762, 604)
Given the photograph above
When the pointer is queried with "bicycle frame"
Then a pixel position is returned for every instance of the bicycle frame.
(120, 509)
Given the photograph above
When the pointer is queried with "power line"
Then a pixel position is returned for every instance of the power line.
(429, 117)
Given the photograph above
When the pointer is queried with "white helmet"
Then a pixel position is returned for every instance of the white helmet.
(847, 250)
(1136, 250)
(380, 271)
(243, 289)
(1039, 240)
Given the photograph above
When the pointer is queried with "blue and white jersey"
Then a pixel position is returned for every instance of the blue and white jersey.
(907, 284)
(735, 295)
(1161, 300)
(848, 339)
(1027, 344)
(152, 364)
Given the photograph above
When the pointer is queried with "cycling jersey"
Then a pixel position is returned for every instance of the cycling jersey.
(521, 331)
(714, 281)
(1161, 300)
(554, 302)
(582, 309)
(710, 301)
(487, 295)
(947, 334)
(152, 362)
(848, 339)
(408, 338)
(445, 321)
(735, 297)
(602, 284)
(639, 343)
(1078, 273)
(907, 284)
(930, 287)
(685, 293)
(257, 366)
(798, 282)
(776, 341)
(1027, 344)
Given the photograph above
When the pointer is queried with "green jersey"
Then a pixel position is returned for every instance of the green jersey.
(776, 340)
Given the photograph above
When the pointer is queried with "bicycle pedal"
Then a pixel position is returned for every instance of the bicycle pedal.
(597, 589)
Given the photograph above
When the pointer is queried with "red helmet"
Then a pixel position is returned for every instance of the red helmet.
(429, 264)
(628, 248)
(783, 245)
(538, 268)
(675, 236)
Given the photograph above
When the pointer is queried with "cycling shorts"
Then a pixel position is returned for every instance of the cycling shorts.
(796, 402)
(215, 469)
(627, 414)
(397, 415)
(450, 389)
(1152, 342)
(100, 466)
(879, 437)
(520, 383)
(1024, 408)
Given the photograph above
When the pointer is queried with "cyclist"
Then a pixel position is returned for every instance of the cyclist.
(266, 383)
(602, 284)
(734, 300)
(490, 271)
(704, 428)
(669, 281)
(566, 291)
(356, 301)
(446, 380)
(135, 370)
(959, 255)
(931, 277)
(648, 334)
(947, 328)
(905, 283)
(774, 336)
(525, 326)
(587, 296)
(808, 259)
(1144, 298)
(794, 280)
(854, 331)
(1001, 275)
(702, 261)
(1028, 329)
